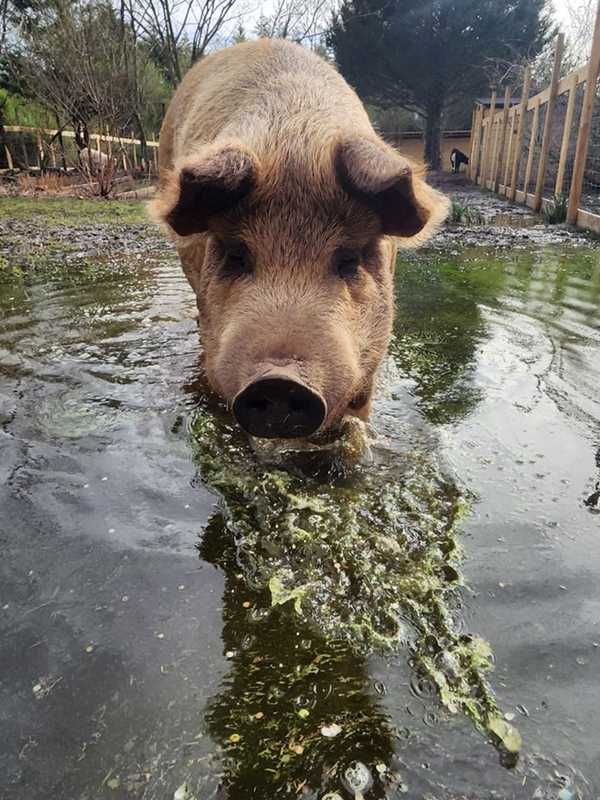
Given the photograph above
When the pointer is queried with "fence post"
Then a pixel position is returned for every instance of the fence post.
(481, 161)
(494, 150)
(9, 160)
(475, 136)
(473, 124)
(509, 148)
(539, 187)
(520, 136)
(502, 138)
(155, 154)
(134, 152)
(564, 148)
(491, 139)
(585, 125)
(488, 142)
(40, 150)
(534, 129)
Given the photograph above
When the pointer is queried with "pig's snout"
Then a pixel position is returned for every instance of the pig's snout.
(277, 406)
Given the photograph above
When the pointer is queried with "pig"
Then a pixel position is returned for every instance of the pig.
(286, 209)
(93, 161)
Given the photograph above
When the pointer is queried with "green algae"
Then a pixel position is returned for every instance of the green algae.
(441, 304)
(367, 557)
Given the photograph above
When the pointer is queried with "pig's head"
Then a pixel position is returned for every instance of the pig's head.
(292, 261)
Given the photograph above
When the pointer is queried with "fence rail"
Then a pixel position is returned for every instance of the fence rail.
(547, 145)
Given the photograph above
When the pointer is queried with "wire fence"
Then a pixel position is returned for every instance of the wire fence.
(590, 195)
(544, 150)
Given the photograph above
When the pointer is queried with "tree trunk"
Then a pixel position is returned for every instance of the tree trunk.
(433, 136)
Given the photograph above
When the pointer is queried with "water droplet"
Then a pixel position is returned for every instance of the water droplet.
(380, 687)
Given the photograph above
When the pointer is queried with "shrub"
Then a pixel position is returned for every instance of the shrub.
(555, 212)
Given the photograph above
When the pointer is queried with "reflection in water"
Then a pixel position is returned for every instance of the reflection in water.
(296, 710)
(443, 301)
(439, 324)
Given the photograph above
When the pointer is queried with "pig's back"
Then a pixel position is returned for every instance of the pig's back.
(270, 93)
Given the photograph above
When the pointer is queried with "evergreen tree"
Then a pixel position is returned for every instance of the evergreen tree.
(425, 55)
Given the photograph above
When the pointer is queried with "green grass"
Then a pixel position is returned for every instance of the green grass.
(462, 212)
(556, 212)
(72, 210)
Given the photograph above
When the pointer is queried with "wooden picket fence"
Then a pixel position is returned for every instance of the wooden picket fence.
(26, 148)
(547, 145)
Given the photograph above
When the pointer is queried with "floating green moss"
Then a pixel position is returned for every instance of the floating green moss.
(369, 557)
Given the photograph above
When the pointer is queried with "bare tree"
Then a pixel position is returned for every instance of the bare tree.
(3, 23)
(82, 62)
(295, 19)
(181, 30)
(578, 20)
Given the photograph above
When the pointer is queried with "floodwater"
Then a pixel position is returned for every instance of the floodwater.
(147, 649)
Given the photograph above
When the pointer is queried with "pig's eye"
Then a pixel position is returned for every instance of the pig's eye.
(236, 261)
(347, 264)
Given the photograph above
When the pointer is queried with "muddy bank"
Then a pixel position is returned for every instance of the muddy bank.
(497, 222)
(36, 231)
(45, 233)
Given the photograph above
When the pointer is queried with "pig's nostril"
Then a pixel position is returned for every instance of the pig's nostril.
(259, 405)
(297, 403)
(279, 407)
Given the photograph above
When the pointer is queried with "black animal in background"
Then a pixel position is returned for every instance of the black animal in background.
(457, 157)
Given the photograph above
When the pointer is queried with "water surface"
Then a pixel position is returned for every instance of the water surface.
(138, 652)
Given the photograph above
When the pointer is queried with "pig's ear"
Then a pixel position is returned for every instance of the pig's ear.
(377, 176)
(210, 182)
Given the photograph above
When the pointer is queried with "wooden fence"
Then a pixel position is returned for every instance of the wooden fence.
(547, 145)
(30, 149)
